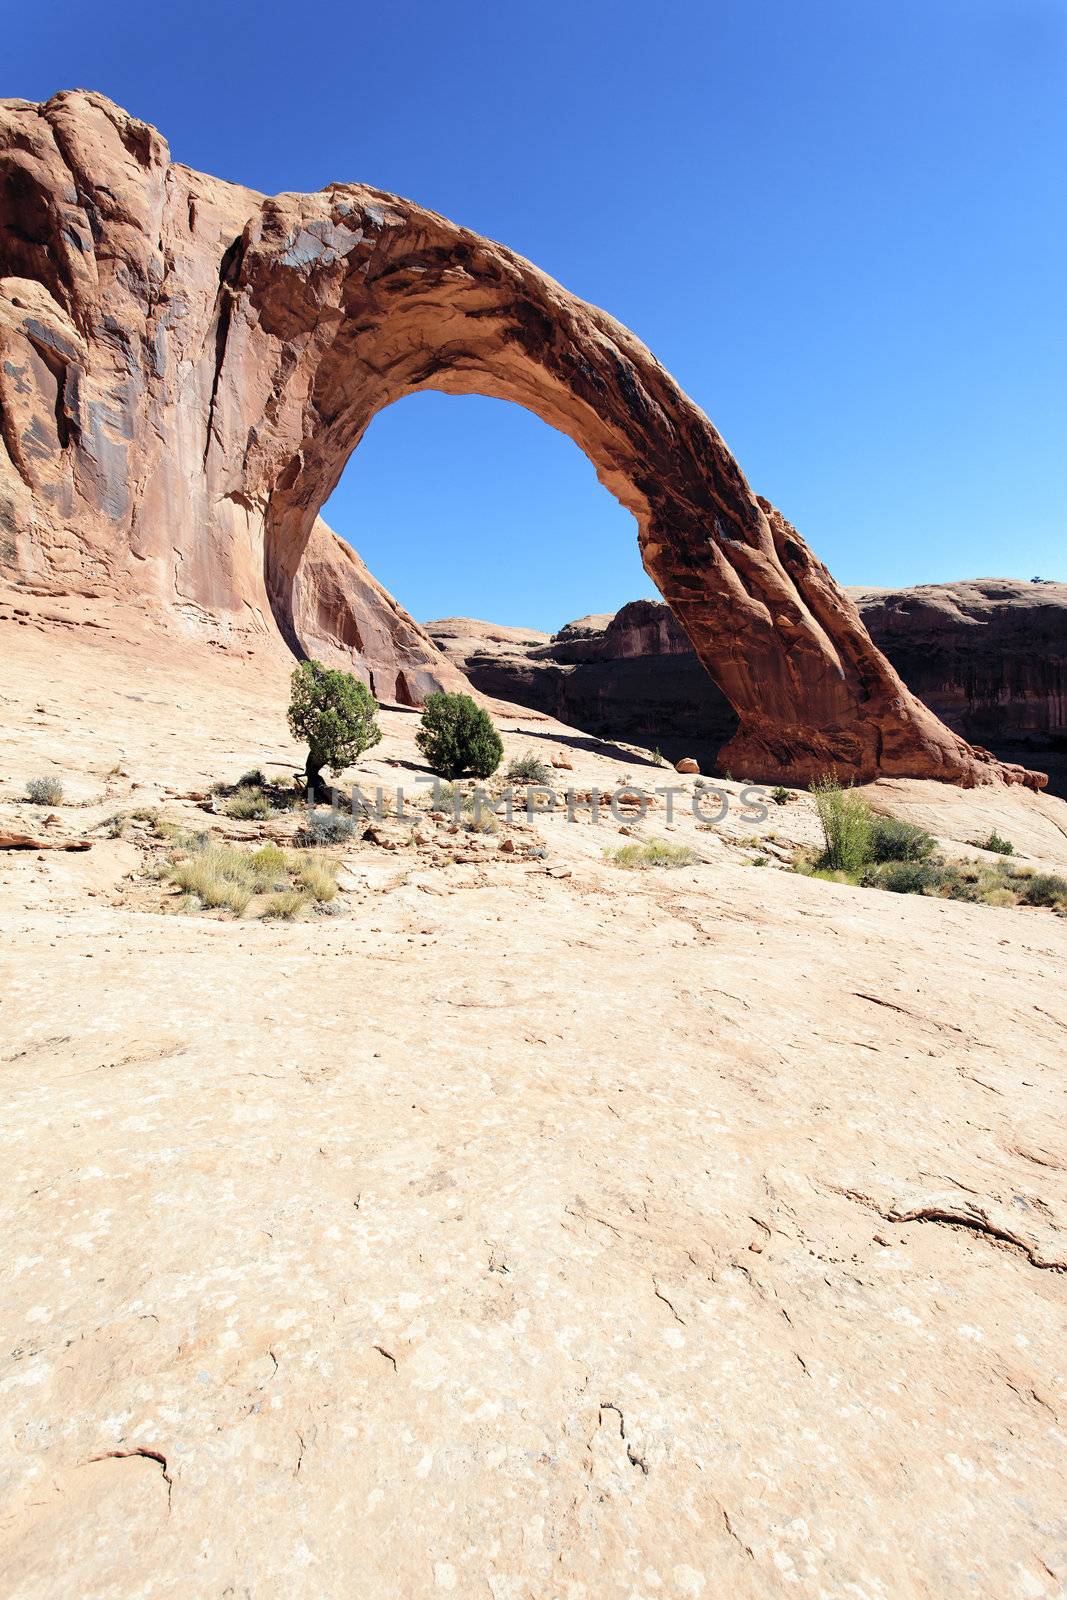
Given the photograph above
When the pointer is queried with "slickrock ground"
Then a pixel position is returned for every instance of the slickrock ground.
(531, 1228)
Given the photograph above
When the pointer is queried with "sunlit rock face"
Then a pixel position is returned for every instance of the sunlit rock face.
(187, 366)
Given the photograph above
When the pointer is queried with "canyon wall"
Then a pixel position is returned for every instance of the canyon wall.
(989, 656)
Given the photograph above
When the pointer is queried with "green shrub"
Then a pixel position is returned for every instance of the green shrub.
(657, 758)
(457, 736)
(45, 791)
(247, 804)
(656, 853)
(1043, 889)
(846, 825)
(335, 713)
(781, 795)
(999, 846)
(902, 877)
(893, 840)
(528, 769)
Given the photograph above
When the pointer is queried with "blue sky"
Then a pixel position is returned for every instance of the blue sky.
(841, 225)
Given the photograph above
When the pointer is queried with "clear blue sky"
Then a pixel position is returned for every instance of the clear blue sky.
(840, 224)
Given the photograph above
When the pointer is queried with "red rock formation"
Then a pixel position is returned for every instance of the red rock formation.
(187, 366)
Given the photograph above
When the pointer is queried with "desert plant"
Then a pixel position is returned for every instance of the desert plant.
(269, 867)
(285, 906)
(1043, 889)
(45, 791)
(781, 795)
(846, 825)
(325, 827)
(217, 876)
(335, 713)
(657, 758)
(528, 769)
(248, 804)
(998, 845)
(457, 736)
(655, 853)
(891, 839)
(901, 877)
(317, 875)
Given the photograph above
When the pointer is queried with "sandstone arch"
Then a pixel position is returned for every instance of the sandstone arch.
(194, 364)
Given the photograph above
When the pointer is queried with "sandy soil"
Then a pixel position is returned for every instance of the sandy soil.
(530, 1228)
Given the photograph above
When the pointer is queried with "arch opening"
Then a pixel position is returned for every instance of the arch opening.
(492, 529)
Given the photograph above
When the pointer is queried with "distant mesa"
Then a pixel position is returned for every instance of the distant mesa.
(187, 365)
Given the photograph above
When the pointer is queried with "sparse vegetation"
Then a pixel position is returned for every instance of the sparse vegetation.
(994, 842)
(336, 714)
(781, 795)
(879, 852)
(248, 804)
(654, 853)
(325, 827)
(214, 876)
(528, 769)
(846, 825)
(1044, 889)
(657, 758)
(457, 736)
(45, 791)
(892, 839)
(286, 906)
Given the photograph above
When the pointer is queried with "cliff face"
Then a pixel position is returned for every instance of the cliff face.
(186, 366)
(990, 657)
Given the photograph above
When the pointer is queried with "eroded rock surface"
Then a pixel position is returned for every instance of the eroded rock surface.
(187, 366)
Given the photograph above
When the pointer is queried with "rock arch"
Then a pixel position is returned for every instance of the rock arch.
(210, 358)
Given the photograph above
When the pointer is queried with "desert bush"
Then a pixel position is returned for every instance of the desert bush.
(1043, 889)
(248, 804)
(781, 795)
(286, 906)
(269, 867)
(901, 877)
(846, 825)
(317, 875)
(657, 758)
(994, 842)
(217, 876)
(654, 853)
(893, 840)
(528, 769)
(324, 827)
(335, 713)
(45, 791)
(457, 736)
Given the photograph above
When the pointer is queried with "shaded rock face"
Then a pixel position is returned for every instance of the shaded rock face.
(634, 676)
(989, 656)
(187, 365)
